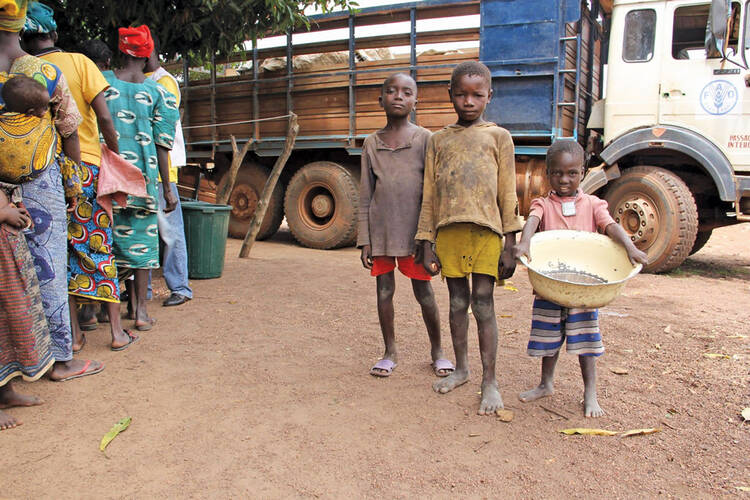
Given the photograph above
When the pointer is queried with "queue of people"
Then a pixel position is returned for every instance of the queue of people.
(65, 247)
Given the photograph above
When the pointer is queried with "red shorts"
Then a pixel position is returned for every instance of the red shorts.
(407, 266)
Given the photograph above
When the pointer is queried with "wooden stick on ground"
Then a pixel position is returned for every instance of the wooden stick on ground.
(260, 210)
(224, 191)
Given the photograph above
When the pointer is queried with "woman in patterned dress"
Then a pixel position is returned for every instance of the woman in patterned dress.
(24, 334)
(93, 271)
(145, 116)
(43, 194)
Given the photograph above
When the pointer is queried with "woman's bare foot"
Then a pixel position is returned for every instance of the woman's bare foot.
(10, 398)
(455, 379)
(491, 399)
(79, 343)
(7, 421)
(144, 323)
(540, 391)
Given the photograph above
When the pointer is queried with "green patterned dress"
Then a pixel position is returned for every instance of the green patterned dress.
(145, 115)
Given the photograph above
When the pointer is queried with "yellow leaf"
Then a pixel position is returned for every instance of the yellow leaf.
(736, 336)
(746, 414)
(113, 432)
(713, 355)
(617, 370)
(743, 488)
(510, 287)
(506, 315)
(640, 432)
(504, 415)
(588, 432)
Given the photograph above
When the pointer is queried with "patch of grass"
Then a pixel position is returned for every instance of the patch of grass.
(711, 270)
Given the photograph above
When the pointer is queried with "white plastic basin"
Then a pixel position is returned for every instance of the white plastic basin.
(578, 268)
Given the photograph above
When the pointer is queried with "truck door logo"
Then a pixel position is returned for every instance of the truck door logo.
(719, 97)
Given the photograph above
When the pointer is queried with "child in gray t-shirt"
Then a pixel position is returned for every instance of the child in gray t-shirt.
(390, 199)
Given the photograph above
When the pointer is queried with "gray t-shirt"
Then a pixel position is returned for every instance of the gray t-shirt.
(391, 194)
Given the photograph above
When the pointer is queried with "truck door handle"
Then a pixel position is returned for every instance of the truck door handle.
(673, 93)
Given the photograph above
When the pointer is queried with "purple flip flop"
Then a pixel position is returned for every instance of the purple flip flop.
(386, 365)
(443, 365)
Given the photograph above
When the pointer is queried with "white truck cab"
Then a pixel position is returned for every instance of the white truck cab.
(676, 123)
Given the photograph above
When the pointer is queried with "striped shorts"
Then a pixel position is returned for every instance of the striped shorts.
(552, 324)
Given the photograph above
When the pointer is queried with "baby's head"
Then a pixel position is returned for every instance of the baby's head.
(470, 90)
(565, 166)
(25, 95)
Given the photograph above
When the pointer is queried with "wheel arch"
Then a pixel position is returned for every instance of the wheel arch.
(702, 151)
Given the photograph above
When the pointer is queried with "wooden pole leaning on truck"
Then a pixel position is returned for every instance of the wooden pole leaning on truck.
(224, 191)
(260, 210)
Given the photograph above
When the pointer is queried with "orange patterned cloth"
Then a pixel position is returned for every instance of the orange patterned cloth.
(19, 162)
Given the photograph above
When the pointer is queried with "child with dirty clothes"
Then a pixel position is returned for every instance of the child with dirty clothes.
(566, 207)
(390, 196)
(469, 207)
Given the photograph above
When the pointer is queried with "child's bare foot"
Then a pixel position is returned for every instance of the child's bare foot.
(455, 379)
(7, 422)
(491, 399)
(540, 391)
(591, 406)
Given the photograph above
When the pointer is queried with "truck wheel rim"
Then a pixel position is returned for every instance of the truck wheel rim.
(317, 206)
(638, 216)
(244, 200)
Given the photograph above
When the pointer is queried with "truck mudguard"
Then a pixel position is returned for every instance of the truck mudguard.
(678, 139)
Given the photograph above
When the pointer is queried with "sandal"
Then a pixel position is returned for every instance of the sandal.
(132, 339)
(443, 367)
(383, 368)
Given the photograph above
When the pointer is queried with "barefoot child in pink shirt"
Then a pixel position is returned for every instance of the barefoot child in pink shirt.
(566, 207)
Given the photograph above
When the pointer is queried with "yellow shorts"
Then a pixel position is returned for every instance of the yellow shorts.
(466, 248)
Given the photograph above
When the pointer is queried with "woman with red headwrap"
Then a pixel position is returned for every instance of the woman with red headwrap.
(145, 116)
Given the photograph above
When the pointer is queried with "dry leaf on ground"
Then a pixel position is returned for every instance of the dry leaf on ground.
(588, 432)
(714, 355)
(618, 370)
(668, 329)
(640, 432)
(504, 415)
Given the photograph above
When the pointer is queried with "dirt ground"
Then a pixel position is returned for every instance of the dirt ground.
(259, 388)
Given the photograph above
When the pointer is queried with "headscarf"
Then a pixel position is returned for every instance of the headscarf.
(12, 15)
(40, 19)
(136, 42)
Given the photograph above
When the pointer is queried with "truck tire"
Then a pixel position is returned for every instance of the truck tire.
(321, 205)
(248, 188)
(700, 240)
(658, 212)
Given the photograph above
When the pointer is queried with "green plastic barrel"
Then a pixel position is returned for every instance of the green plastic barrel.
(206, 227)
